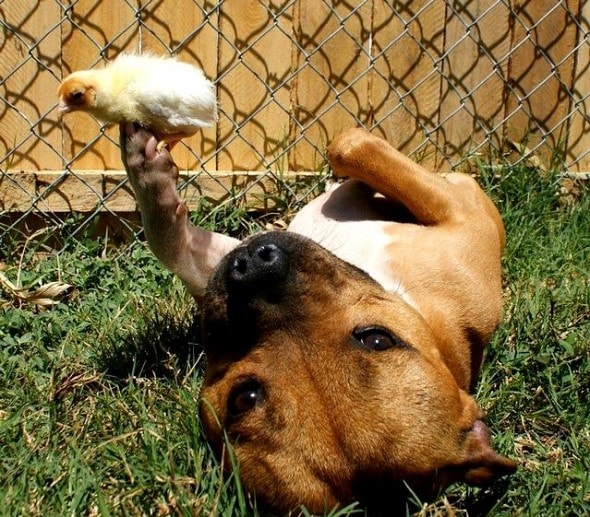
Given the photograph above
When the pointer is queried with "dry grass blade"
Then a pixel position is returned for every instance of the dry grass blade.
(43, 296)
(73, 381)
(440, 508)
(48, 294)
(529, 156)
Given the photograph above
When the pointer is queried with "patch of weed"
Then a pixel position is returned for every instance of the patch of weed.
(98, 395)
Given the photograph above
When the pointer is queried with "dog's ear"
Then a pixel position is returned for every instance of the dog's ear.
(482, 464)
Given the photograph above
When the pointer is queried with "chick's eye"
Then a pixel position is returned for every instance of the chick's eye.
(244, 397)
(77, 97)
(376, 338)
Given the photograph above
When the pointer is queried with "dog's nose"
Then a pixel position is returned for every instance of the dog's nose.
(258, 266)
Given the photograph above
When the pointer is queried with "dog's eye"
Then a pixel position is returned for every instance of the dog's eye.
(376, 338)
(244, 397)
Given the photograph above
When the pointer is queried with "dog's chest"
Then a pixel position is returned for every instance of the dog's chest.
(370, 245)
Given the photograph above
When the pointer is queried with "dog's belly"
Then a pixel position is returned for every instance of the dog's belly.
(356, 236)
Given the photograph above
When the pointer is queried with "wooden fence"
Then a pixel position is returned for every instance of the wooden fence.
(445, 81)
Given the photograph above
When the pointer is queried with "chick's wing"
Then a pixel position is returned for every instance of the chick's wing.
(176, 97)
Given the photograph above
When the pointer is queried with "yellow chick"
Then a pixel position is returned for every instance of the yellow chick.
(171, 98)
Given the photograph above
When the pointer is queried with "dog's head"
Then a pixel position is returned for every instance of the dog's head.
(329, 388)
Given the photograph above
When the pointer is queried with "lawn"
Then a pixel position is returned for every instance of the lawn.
(98, 392)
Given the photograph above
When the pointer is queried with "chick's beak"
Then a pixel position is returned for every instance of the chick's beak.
(63, 108)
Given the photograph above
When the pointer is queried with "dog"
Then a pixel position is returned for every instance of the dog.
(341, 353)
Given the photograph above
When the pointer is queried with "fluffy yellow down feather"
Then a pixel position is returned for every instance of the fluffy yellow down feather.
(171, 98)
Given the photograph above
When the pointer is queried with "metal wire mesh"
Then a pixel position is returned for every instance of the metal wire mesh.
(447, 82)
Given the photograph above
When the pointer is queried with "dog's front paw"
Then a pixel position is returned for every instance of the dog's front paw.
(144, 162)
(350, 150)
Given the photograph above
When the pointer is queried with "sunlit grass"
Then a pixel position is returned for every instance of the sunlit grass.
(98, 394)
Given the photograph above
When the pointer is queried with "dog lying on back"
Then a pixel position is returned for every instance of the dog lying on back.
(341, 353)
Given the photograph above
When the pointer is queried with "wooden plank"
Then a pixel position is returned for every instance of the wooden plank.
(29, 70)
(407, 41)
(477, 45)
(58, 191)
(110, 27)
(17, 192)
(540, 73)
(67, 192)
(332, 84)
(578, 149)
(188, 30)
(114, 229)
(253, 86)
(117, 192)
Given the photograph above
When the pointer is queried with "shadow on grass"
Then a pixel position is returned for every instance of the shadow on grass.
(166, 343)
(484, 502)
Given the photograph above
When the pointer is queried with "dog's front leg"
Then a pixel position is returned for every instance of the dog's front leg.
(190, 252)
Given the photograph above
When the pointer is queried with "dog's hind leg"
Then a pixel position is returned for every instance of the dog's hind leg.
(430, 197)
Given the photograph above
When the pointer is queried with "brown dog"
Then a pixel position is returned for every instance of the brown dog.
(340, 354)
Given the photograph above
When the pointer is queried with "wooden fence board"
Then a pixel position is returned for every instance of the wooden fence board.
(477, 46)
(578, 148)
(34, 32)
(243, 95)
(401, 61)
(539, 102)
(191, 35)
(18, 192)
(331, 89)
(111, 26)
(56, 191)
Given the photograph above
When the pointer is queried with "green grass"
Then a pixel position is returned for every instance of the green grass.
(98, 412)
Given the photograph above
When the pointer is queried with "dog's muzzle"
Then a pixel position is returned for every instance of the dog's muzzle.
(251, 290)
(257, 266)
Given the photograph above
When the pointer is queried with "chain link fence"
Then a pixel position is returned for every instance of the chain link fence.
(450, 83)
